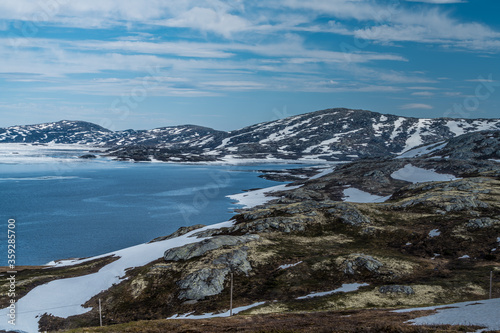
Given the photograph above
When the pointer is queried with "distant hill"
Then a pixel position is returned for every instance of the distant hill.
(333, 134)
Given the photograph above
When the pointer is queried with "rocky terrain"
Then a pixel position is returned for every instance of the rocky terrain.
(418, 243)
(413, 220)
(331, 135)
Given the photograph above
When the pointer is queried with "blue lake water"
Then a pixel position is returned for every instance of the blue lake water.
(84, 209)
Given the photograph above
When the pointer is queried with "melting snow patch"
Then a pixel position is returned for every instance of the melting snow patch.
(434, 233)
(483, 313)
(352, 194)
(212, 315)
(344, 289)
(464, 257)
(254, 198)
(322, 173)
(419, 151)
(414, 175)
(289, 265)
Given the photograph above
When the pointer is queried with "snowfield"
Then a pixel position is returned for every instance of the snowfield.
(255, 198)
(423, 150)
(481, 313)
(64, 297)
(352, 194)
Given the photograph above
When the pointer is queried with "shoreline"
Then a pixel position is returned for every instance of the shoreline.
(240, 202)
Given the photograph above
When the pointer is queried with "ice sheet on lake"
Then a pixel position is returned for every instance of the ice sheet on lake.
(480, 313)
(352, 194)
(64, 297)
(414, 175)
(254, 198)
(21, 153)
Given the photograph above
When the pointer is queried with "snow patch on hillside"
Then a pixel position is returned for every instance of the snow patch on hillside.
(349, 287)
(352, 194)
(215, 315)
(423, 150)
(64, 297)
(414, 175)
(255, 198)
(482, 313)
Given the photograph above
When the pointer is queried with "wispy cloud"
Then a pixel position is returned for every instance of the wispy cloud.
(416, 106)
(439, 2)
(423, 93)
(220, 47)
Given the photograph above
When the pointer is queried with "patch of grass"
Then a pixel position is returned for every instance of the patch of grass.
(317, 322)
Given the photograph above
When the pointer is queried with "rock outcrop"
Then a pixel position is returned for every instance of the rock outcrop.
(359, 262)
(396, 289)
(349, 214)
(189, 251)
(483, 222)
(209, 280)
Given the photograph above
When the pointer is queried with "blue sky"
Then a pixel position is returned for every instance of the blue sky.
(227, 64)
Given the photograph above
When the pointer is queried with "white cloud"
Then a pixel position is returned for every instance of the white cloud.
(481, 80)
(251, 38)
(396, 23)
(423, 93)
(207, 19)
(439, 1)
(416, 106)
(344, 9)
(433, 26)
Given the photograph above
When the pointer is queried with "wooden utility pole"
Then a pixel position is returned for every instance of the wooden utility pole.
(491, 284)
(231, 297)
(100, 313)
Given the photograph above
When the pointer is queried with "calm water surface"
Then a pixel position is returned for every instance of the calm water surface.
(81, 209)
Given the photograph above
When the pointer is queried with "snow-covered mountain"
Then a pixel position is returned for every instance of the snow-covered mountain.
(343, 134)
(60, 132)
(333, 134)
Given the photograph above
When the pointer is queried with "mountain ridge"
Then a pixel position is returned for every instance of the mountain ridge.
(338, 134)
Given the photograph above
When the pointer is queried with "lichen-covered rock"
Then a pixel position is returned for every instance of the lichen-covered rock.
(349, 214)
(202, 283)
(189, 251)
(209, 281)
(255, 214)
(397, 289)
(137, 286)
(272, 224)
(447, 203)
(483, 222)
(236, 260)
(359, 262)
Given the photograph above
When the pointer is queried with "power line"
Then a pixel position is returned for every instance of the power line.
(58, 307)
